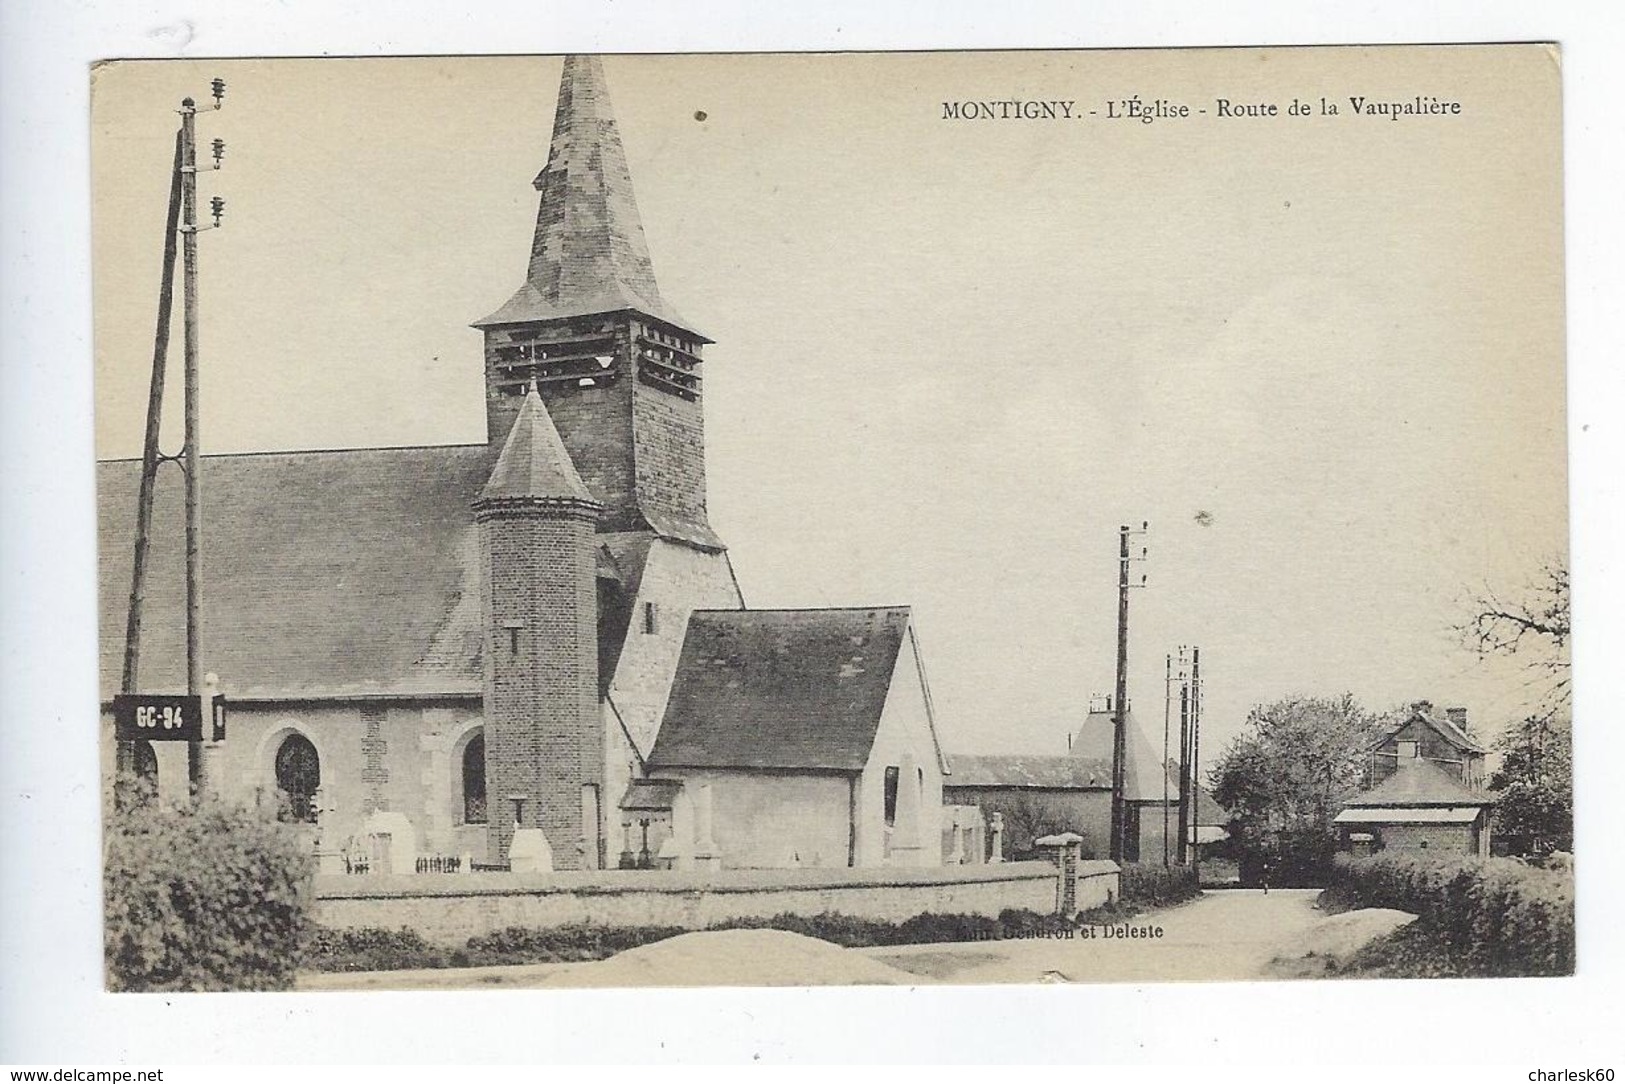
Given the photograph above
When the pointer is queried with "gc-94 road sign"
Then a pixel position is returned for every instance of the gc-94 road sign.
(152, 717)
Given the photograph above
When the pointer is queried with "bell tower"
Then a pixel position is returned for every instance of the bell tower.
(618, 370)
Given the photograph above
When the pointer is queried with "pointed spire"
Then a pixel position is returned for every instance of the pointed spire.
(589, 254)
(533, 465)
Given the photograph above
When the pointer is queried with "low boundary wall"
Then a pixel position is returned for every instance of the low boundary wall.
(451, 908)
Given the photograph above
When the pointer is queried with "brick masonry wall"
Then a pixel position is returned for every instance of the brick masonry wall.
(594, 423)
(449, 909)
(635, 447)
(543, 728)
(668, 434)
(1444, 839)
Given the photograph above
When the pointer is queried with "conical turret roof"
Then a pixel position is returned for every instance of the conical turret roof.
(533, 464)
(589, 254)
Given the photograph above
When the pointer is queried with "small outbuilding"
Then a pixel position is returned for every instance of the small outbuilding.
(1418, 807)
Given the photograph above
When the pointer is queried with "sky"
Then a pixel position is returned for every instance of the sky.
(1322, 356)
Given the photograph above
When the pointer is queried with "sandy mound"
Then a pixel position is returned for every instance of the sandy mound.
(735, 958)
(1338, 937)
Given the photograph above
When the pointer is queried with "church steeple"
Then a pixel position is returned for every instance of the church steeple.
(618, 369)
(588, 254)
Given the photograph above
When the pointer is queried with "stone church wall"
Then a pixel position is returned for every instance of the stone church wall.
(448, 909)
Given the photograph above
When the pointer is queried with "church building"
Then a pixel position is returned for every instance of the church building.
(425, 648)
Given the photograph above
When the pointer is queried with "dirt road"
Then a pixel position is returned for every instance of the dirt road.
(1225, 935)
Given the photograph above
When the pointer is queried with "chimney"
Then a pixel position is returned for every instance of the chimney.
(1457, 717)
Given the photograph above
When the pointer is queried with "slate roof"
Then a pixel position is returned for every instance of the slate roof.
(1070, 772)
(589, 254)
(1446, 729)
(1142, 771)
(1433, 814)
(1419, 782)
(1208, 809)
(1037, 771)
(324, 573)
(650, 795)
(533, 463)
(780, 689)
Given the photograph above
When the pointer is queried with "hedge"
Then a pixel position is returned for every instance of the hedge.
(1496, 916)
(378, 949)
(1155, 885)
(205, 897)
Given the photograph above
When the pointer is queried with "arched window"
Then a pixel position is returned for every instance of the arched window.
(298, 774)
(474, 780)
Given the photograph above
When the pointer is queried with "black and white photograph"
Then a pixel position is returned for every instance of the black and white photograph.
(969, 518)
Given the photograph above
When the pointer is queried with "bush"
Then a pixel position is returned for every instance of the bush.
(371, 948)
(561, 944)
(850, 932)
(205, 897)
(1156, 885)
(1495, 916)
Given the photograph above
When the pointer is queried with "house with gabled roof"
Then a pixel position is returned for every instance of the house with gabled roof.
(427, 649)
(1420, 806)
(1441, 738)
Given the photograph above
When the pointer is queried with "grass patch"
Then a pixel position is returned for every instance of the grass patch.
(1416, 951)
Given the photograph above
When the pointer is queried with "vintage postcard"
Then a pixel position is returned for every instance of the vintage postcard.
(769, 519)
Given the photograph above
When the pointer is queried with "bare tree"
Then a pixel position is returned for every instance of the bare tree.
(1028, 817)
(1534, 628)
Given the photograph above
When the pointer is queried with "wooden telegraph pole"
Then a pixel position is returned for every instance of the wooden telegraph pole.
(131, 679)
(1184, 761)
(1119, 840)
(1167, 704)
(1196, 758)
(181, 220)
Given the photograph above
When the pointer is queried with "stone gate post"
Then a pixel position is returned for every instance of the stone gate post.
(1063, 852)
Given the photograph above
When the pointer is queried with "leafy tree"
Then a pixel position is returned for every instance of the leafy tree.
(209, 896)
(1295, 764)
(1535, 785)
